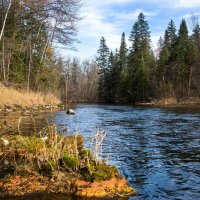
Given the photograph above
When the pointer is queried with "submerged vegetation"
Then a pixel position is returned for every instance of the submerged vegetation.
(56, 163)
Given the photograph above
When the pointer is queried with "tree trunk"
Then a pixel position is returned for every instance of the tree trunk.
(8, 67)
(190, 80)
(29, 68)
(4, 21)
(3, 60)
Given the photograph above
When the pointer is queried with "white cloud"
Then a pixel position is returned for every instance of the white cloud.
(95, 25)
(100, 3)
(186, 3)
(163, 3)
(100, 19)
(132, 16)
(154, 40)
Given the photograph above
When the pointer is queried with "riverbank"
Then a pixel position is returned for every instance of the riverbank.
(187, 101)
(53, 163)
(20, 99)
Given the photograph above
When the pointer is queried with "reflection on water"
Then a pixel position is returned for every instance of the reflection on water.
(26, 124)
(156, 149)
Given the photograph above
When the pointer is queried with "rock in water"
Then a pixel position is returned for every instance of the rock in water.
(70, 112)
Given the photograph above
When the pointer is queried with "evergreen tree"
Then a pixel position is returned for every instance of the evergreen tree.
(165, 64)
(182, 53)
(142, 80)
(167, 53)
(122, 52)
(140, 50)
(162, 65)
(122, 79)
(195, 69)
(170, 36)
(140, 38)
(115, 76)
(102, 63)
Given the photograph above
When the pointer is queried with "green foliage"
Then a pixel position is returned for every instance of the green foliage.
(170, 36)
(102, 63)
(140, 58)
(136, 75)
(70, 162)
(140, 38)
(30, 144)
(85, 153)
(103, 172)
(27, 54)
(123, 52)
(99, 172)
(48, 167)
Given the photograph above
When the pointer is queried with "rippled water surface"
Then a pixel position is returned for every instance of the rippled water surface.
(157, 150)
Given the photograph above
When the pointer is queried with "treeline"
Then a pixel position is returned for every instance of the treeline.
(136, 74)
(29, 32)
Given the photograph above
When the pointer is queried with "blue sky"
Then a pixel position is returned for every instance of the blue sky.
(109, 18)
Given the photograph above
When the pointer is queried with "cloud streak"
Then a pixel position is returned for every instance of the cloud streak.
(112, 17)
(99, 19)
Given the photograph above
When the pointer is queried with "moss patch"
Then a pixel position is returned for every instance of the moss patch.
(70, 162)
(99, 172)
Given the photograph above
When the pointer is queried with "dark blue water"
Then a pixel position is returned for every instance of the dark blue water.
(156, 150)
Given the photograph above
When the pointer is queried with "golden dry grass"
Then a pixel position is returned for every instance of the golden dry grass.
(166, 101)
(10, 96)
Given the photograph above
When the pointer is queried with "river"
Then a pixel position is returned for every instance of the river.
(156, 149)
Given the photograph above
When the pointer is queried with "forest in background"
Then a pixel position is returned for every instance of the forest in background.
(137, 74)
(30, 33)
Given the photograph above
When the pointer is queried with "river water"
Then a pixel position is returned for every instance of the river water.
(156, 149)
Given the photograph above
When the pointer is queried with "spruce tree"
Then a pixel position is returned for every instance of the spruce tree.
(165, 64)
(140, 50)
(140, 39)
(142, 80)
(122, 82)
(170, 36)
(122, 52)
(195, 71)
(183, 53)
(102, 63)
(170, 39)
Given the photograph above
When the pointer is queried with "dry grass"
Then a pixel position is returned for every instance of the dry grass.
(166, 101)
(10, 96)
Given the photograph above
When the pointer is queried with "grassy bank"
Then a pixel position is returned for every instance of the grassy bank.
(174, 101)
(51, 162)
(10, 97)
